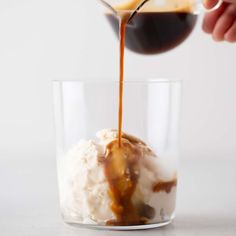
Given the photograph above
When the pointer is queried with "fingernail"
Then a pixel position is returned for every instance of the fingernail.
(217, 39)
(229, 39)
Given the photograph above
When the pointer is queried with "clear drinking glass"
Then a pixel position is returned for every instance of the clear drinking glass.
(86, 115)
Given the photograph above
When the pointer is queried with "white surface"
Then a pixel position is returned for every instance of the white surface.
(29, 205)
(42, 40)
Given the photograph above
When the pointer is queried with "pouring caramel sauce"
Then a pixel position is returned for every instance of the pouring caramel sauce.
(155, 28)
(122, 171)
(123, 154)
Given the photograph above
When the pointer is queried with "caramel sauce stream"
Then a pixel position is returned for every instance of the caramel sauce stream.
(123, 22)
(121, 163)
(121, 160)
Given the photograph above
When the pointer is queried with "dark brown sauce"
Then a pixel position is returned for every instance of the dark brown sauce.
(156, 32)
(165, 186)
(121, 162)
(122, 172)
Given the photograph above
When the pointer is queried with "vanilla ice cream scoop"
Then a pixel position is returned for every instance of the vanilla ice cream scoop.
(88, 186)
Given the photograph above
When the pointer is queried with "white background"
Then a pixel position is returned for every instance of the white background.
(46, 39)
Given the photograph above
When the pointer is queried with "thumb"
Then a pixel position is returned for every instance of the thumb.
(211, 3)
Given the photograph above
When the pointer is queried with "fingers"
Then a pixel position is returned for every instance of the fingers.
(210, 3)
(211, 18)
(221, 23)
(231, 1)
(224, 23)
(230, 35)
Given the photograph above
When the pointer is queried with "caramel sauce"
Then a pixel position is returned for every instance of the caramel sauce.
(123, 22)
(121, 162)
(156, 32)
(122, 172)
(165, 186)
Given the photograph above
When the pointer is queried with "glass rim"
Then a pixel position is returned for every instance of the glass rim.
(93, 80)
(152, 11)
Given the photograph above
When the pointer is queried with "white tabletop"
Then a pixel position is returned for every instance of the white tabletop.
(206, 202)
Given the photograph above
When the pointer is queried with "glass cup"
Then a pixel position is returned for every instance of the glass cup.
(196, 6)
(98, 188)
(156, 27)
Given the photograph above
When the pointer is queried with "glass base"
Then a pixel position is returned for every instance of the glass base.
(120, 228)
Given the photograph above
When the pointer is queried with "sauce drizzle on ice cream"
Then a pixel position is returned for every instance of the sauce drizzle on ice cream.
(165, 186)
(122, 170)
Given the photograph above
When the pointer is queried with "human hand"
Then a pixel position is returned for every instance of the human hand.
(221, 23)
